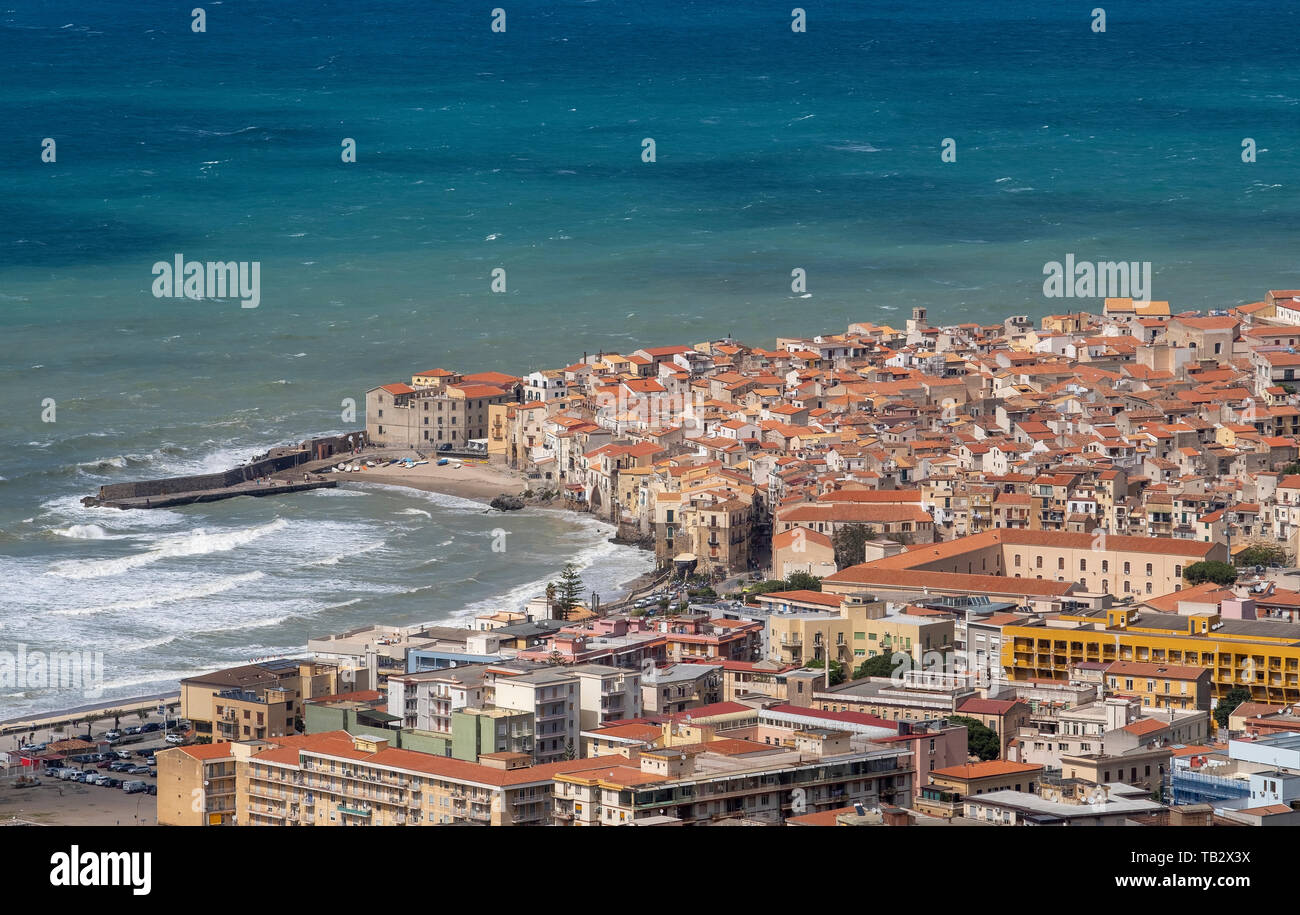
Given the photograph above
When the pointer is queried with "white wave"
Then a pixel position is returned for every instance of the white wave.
(415, 511)
(602, 553)
(85, 532)
(336, 558)
(166, 677)
(117, 461)
(219, 586)
(195, 543)
(211, 631)
(442, 500)
(70, 509)
(247, 624)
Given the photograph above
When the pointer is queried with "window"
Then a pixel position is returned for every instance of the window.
(1017, 563)
(1038, 563)
(1149, 570)
(1083, 565)
(1126, 568)
(1060, 563)
(1105, 565)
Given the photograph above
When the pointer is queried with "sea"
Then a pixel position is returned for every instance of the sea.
(585, 177)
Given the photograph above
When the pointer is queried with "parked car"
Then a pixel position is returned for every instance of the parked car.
(134, 729)
(110, 783)
(175, 738)
(138, 770)
(135, 787)
(151, 789)
(153, 773)
(66, 774)
(120, 767)
(151, 727)
(113, 734)
(145, 753)
(123, 754)
(104, 764)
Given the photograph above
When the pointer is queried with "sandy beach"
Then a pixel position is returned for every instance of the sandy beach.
(480, 482)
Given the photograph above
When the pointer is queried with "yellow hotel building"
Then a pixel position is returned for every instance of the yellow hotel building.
(1260, 655)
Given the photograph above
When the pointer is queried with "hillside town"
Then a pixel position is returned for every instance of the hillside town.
(961, 575)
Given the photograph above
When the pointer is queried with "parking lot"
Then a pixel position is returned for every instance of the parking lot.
(75, 798)
(56, 803)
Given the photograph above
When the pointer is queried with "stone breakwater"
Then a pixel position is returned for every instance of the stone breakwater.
(255, 478)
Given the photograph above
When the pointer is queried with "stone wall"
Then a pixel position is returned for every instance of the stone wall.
(201, 482)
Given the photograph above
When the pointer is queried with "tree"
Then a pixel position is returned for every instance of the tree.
(1228, 704)
(837, 670)
(849, 543)
(882, 665)
(803, 581)
(981, 740)
(567, 591)
(1221, 573)
(569, 752)
(1261, 554)
(767, 587)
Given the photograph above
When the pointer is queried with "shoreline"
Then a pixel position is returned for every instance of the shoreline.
(482, 483)
(471, 481)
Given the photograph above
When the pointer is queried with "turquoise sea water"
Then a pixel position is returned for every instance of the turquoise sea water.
(522, 150)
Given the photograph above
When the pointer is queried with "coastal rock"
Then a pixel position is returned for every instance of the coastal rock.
(506, 503)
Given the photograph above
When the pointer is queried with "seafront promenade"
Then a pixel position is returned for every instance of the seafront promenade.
(63, 718)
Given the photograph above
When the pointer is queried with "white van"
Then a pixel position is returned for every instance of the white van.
(135, 787)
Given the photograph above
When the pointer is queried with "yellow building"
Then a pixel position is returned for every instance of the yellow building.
(1176, 686)
(196, 785)
(1260, 655)
(340, 779)
(858, 630)
(276, 688)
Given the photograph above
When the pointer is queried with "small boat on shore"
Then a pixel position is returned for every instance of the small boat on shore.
(443, 462)
(418, 463)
